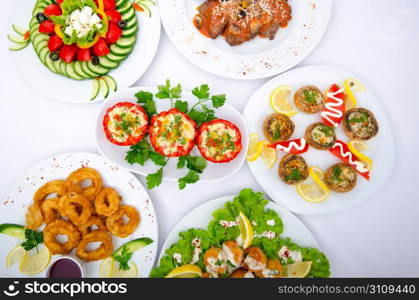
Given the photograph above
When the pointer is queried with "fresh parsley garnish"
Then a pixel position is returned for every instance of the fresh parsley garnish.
(310, 96)
(33, 239)
(294, 175)
(191, 177)
(124, 259)
(147, 101)
(154, 179)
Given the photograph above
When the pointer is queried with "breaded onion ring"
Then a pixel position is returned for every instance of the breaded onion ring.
(64, 228)
(104, 251)
(58, 187)
(50, 210)
(76, 178)
(107, 202)
(88, 226)
(34, 218)
(117, 225)
(77, 208)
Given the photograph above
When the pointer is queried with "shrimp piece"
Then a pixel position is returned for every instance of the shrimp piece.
(233, 253)
(273, 270)
(215, 261)
(255, 260)
(242, 273)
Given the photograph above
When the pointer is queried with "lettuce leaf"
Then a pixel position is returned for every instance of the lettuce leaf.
(68, 6)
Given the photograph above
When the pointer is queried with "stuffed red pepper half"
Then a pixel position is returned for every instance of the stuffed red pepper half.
(125, 123)
(219, 141)
(172, 133)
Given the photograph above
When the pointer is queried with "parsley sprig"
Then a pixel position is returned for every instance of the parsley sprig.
(202, 111)
(124, 259)
(32, 239)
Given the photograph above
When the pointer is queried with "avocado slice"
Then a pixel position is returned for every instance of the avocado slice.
(133, 246)
(14, 230)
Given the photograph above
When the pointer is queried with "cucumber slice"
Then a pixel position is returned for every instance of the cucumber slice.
(128, 15)
(104, 88)
(16, 39)
(111, 83)
(120, 3)
(96, 89)
(131, 22)
(33, 22)
(19, 30)
(43, 54)
(14, 230)
(62, 66)
(87, 70)
(97, 69)
(39, 37)
(79, 70)
(18, 47)
(50, 64)
(125, 8)
(126, 42)
(132, 246)
(69, 69)
(106, 63)
(115, 58)
(130, 32)
(115, 49)
(57, 66)
(41, 44)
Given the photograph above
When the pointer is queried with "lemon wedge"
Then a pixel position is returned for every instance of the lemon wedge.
(15, 255)
(297, 270)
(313, 189)
(268, 155)
(246, 230)
(255, 147)
(35, 262)
(356, 147)
(352, 85)
(109, 268)
(106, 268)
(185, 271)
(280, 100)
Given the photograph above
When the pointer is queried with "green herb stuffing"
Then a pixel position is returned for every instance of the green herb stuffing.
(310, 96)
(294, 175)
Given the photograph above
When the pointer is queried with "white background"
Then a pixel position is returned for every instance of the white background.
(377, 39)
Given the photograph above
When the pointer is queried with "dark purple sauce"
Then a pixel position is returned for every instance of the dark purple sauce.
(65, 268)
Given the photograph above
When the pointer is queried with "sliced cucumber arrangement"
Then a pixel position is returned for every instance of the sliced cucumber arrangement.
(104, 85)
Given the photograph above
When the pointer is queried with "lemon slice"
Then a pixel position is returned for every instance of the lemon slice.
(132, 272)
(297, 270)
(356, 147)
(255, 147)
(268, 155)
(35, 262)
(185, 271)
(15, 255)
(246, 230)
(106, 268)
(313, 189)
(352, 85)
(280, 101)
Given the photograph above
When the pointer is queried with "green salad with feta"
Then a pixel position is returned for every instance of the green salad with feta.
(243, 240)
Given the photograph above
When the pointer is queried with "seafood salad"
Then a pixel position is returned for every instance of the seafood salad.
(243, 240)
(240, 21)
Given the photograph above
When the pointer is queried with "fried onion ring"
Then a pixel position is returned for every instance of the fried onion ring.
(104, 250)
(61, 227)
(58, 187)
(77, 208)
(50, 210)
(107, 202)
(117, 225)
(76, 178)
(34, 218)
(88, 226)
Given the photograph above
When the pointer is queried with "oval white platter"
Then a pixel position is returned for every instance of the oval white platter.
(200, 217)
(213, 172)
(20, 195)
(258, 58)
(68, 90)
(382, 147)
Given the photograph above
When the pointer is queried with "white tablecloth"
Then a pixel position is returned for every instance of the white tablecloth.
(377, 39)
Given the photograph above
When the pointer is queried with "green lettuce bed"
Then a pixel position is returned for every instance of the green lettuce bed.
(252, 204)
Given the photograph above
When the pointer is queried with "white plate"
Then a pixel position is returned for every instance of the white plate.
(202, 215)
(255, 59)
(213, 172)
(68, 90)
(60, 166)
(382, 147)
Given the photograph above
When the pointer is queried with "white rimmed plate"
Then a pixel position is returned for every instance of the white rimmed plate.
(255, 59)
(200, 217)
(20, 195)
(382, 147)
(68, 90)
(213, 172)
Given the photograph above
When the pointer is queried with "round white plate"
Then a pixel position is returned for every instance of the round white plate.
(20, 195)
(202, 215)
(382, 147)
(65, 89)
(255, 59)
(213, 172)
